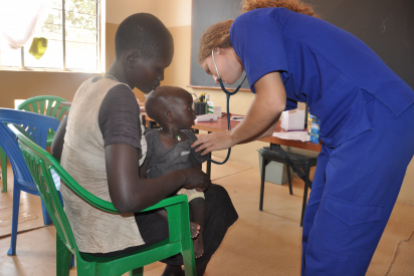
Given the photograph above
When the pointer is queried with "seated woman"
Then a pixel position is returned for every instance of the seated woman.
(103, 145)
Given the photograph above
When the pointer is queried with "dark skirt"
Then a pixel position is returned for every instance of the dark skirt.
(219, 216)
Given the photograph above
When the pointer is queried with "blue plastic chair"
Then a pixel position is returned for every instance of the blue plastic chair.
(38, 127)
(3, 161)
(47, 105)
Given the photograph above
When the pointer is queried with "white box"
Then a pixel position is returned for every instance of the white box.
(206, 118)
(293, 119)
(217, 111)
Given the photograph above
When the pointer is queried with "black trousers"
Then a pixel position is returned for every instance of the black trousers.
(219, 216)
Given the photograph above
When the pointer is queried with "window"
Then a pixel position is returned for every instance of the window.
(73, 29)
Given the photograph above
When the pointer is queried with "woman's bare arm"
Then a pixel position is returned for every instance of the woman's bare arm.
(130, 193)
(259, 121)
(143, 170)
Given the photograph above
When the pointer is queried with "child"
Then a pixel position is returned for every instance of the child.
(169, 148)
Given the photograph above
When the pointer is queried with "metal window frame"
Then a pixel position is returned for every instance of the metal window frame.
(100, 41)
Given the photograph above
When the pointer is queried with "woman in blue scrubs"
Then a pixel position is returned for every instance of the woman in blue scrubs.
(366, 113)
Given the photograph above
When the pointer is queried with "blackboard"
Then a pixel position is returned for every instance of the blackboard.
(386, 26)
(206, 13)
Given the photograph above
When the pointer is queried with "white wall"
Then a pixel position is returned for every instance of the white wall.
(172, 13)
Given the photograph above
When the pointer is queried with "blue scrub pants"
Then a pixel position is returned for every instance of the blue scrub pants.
(354, 191)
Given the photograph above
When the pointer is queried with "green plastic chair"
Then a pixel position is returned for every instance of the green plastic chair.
(46, 105)
(179, 241)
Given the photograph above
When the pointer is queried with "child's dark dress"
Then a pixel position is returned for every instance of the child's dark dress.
(162, 161)
(219, 211)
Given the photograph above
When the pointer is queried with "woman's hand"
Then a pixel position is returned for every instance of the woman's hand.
(196, 179)
(213, 141)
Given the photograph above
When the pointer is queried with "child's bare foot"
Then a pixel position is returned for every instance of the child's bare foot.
(195, 229)
(198, 246)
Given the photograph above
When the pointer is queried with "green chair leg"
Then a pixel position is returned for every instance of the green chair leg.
(3, 160)
(62, 258)
(137, 272)
(187, 245)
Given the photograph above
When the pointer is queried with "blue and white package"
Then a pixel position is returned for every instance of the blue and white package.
(314, 130)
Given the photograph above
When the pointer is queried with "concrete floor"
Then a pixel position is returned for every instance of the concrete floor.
(259, 243)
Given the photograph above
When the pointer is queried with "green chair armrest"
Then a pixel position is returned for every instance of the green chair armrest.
(176, 199)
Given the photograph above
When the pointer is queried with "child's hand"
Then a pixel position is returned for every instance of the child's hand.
(196, 179)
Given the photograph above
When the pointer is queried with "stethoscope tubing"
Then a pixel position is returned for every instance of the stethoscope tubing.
(228, 94)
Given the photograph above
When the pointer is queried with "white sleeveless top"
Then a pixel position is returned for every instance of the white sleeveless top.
(83, 157)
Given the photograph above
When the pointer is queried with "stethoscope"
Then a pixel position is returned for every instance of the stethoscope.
(228, 94)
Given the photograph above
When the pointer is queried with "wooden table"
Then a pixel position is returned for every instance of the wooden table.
(221, 125)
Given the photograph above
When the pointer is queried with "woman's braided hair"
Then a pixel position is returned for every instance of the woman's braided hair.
(218, 35)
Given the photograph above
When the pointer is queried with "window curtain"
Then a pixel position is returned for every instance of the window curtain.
(19, 19)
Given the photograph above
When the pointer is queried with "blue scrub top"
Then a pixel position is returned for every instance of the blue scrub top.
(320, 64)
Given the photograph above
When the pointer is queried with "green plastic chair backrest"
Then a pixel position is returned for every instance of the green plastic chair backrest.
(46, 105)
(39, 163)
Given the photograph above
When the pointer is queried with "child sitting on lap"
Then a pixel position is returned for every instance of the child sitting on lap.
(169, 148)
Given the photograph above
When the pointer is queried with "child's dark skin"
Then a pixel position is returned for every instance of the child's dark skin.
(173, 111)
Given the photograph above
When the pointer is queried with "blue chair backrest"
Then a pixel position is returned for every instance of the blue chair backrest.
(37, 126)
